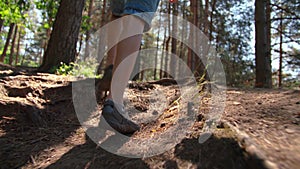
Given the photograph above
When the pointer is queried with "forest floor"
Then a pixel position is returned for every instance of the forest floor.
(259, 128)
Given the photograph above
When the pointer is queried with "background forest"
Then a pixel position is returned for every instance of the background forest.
(257, 42)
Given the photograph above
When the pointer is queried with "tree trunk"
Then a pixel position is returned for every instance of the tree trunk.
(166, 74)
(166, 59)
(102, 42)
(103, 12)
(191, 54)
(206, 15)
(156, 56)
(213, 8)
(12, 48)
(268, 47)
(10, 32)
(262, 60)
(1, 24)
(88, 31)
(62, 43)
(18, 47)
(280, 52)
(161, 72)
(174, 41)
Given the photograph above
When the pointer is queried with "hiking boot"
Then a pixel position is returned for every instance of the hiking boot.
(116, 120)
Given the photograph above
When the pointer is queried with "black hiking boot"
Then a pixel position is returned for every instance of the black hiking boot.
(116, 120)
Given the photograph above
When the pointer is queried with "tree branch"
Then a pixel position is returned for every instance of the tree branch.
(284, 9)
(285, 18)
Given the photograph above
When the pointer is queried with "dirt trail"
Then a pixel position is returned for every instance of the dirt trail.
(39, 128)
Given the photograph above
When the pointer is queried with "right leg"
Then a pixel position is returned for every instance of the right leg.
(113, 35)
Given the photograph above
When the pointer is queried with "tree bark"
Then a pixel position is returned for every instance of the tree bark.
(173, 62)
(103, 12)
(12, 48)
(18, 47)
(161, 72)
(213, 8)
(280, 53)
(269, 49)
(206, 15)
(166, 74)
(262, 60)
(156, 56)
(62, 43)
(88, 31)
(10, 32)
(1, 24)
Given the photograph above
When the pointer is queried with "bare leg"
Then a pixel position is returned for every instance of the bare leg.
(113, 35)
(126, 53)
(129, 46)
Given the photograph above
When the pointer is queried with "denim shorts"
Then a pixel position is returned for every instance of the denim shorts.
(143, 9)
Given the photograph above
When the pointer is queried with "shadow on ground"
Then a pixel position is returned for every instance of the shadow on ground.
(219, 153)
(27, 130)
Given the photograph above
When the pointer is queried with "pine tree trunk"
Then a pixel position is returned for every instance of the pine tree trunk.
(268, 47)
(102, 42)
(167, 58)
(213, 8)
(10, 32)
(18, 47)
(166, 74)
(195, 22)
(262, 60)
(1, 24)
(156, 56)
(88, 31)
(206, 22)
(174, 41)
(12, 48)
(103, 12)
(62, 43)
(161, 73)
(280, 52)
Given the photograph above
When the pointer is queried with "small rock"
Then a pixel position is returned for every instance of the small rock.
(236, 103)
(290, 131)
(29, 95)
(204, 137)
(270, 165)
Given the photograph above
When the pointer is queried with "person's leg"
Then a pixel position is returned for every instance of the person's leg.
(129, 46)
(112, 110)
(133, 24)
(116, 11)
(113, 35)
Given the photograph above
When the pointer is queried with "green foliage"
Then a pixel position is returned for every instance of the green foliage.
(79, 69)
(232, 38)
(48, 8)
(84, 23)
(286, 13)
(13, 11)
(30, 63)
(64, 69)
